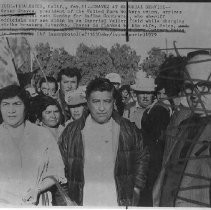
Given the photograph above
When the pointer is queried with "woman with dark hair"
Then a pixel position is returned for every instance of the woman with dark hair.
(28, 153)
(49, 115)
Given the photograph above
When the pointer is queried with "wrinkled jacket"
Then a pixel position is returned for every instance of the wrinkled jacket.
(130, 166)
(185, 178)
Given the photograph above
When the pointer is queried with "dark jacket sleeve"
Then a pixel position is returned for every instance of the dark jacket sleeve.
(141, 159)
(63, 146)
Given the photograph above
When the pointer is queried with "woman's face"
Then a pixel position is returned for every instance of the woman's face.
(51, 116)
(13, 111)
(77, 111)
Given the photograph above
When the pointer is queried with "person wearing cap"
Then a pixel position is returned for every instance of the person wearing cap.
(144, 88)
(115, 79)
(68, 79)
(76, 101)
(105, 161)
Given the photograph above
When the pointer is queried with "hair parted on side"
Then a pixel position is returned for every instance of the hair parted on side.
(69, 72)
(100, 84)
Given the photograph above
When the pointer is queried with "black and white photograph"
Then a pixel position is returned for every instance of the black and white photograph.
(105, 104)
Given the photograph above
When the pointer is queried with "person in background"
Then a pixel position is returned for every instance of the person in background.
(44, 88)
(171, 80)
(68, 79)
(144, 88)
(115, 79)
(154, 122)
(105, 161)
(160, 122)
(76, 101)
(185, 177)
(31, 91)
(127, 99)
(29, 154)
(49, 115)
(49, 87)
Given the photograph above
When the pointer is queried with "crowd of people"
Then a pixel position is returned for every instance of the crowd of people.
(108, 144)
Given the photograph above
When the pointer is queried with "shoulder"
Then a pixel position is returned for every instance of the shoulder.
(70, 131)
(3, 132)
(128, 127)
(42, 134)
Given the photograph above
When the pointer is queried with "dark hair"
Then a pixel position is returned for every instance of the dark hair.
(171, 75)
(50, 80)
(69, 72)
(12, 91)
(125, 87)
(43, 102)
(100, 84)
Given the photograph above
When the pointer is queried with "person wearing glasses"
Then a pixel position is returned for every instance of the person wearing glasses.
(185, 177)
(49, 87)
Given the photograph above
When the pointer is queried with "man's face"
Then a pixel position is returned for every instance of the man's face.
(144, 99)
(51, 116)
(101, 106)
(68, 83)
(77, 111)
(12, 110)
(200, 85)
(48, 90)
(161, 94)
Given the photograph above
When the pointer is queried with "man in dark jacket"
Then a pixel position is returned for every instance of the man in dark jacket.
(185, 177)
(105, 162)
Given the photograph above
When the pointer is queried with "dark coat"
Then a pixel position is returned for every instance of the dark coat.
(130, 166)
(154, 123)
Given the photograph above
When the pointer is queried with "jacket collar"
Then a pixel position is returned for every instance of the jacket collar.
(115, 116)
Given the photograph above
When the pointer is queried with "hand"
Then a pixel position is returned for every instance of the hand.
(31, 197)
(136, 196)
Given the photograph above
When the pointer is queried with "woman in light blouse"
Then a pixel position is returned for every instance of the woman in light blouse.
(28, 154)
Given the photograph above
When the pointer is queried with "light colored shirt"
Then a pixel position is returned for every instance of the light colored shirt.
(136, 114)
(99, 189)
(25, 165)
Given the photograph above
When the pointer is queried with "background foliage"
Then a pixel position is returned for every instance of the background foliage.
(92, 61)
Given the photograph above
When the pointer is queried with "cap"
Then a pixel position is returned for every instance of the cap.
(113, 77)
(143, 83)
(75, 97)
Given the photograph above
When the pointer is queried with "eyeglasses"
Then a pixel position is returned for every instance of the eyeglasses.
(202, 87)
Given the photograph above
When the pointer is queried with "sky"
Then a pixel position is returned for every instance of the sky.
(196, 15)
